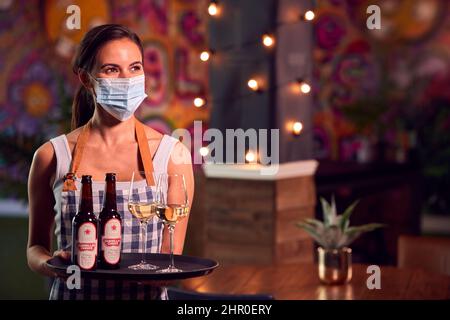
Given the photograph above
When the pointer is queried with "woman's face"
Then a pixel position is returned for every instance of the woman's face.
(118, 59)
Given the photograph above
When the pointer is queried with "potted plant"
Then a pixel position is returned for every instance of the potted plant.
(334, 235)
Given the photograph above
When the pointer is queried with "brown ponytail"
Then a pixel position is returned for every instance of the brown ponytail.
(82, 108)
(83, 104)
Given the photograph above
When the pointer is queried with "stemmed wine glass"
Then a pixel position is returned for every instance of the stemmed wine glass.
(143, 209)
(171, 203)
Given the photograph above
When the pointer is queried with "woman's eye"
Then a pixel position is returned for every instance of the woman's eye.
(110, 70)
(135, 68)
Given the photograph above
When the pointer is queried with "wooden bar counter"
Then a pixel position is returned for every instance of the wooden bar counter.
(300, 282)
(249, 217)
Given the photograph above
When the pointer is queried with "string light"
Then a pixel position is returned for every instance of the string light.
(303, 86)
(268, 40)
(253, 84)
(213, 8)
(204, 151)
(199, 102)
(250, 157)
(309, 15)
(297, 128)
(205, 55)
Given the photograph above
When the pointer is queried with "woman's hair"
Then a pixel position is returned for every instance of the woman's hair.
(83, 104)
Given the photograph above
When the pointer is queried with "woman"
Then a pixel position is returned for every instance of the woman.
(109, 65)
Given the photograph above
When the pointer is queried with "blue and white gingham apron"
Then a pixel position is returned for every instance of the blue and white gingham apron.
(66, 207)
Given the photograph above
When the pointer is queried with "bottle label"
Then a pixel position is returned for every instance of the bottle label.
(111, 241)
(87, 245)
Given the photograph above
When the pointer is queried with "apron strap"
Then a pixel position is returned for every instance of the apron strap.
(144, 150)
(70, 177)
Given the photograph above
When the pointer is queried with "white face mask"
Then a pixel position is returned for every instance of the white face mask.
(120, 97)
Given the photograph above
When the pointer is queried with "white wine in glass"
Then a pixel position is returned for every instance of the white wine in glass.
(172, 205)
(144, 210)
(171, 213)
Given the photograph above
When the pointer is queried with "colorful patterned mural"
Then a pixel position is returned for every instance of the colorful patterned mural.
(37, 84)
(372, 85)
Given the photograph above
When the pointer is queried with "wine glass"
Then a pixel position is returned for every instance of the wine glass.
(143, 209)
(171, 205)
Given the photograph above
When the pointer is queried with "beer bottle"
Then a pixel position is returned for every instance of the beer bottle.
(110, 227)
(84, 229)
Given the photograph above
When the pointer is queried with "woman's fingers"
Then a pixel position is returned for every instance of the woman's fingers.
(65, 255)
(62, 254)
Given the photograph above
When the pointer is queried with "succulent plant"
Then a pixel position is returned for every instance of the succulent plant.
(335, 231)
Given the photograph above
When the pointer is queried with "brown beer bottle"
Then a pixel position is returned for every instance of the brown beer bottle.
(84, 229)
(110, 227)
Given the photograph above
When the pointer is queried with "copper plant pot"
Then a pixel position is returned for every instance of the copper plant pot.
(335, 265)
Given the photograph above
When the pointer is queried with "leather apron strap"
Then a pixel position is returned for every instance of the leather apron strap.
(144, 150)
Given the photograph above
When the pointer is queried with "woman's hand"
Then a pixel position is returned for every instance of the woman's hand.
(65, 255)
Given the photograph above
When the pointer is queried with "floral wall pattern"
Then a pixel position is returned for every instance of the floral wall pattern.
(399, 68)
(383, 95)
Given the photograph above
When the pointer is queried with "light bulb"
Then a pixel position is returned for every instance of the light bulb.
(304, 87)
(213, 8)
(268, 40)
(309, 15)
(253, 84)
(205, 55)
(250, 157)
(204, 151)
(199, 102)
(297, 128)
